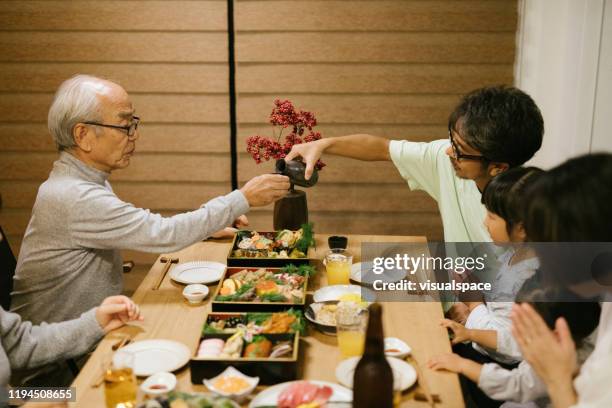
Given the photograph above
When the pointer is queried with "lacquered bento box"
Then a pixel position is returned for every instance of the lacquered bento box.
(255, 257)
(270, 370)
(267, 297)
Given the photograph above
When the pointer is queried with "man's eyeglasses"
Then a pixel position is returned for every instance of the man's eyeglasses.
(461, 156)
(129, 129)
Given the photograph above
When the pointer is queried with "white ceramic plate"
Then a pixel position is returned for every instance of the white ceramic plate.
(334, 292)
(197, 272)
(367, 276)
(346, 369)
(269, 396)
(403, 349)
(154, 356)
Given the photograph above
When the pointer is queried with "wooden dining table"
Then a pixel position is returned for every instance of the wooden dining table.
(167, 315)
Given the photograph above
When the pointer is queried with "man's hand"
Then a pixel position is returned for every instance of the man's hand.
(229, 232)
(310, 153)
(115, 311)
(241, 222)
(265, 189)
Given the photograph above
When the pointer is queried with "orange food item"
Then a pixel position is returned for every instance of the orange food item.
(279, 323)
(265, 287)
(261, 348)
(231, 384)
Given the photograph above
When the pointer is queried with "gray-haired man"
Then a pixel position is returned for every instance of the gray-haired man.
(69, 259)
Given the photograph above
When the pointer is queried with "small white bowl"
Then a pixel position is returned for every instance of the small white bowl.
(403, 350)
(158, 384)
(232, 372)
(195, 293)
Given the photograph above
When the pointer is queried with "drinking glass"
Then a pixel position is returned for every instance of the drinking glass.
(352, 323)
(120, 387)
(338, 265)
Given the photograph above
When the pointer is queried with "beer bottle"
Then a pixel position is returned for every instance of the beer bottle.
(373, 380)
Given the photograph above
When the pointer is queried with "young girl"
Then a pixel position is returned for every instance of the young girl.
(488, 324)
(522, 384)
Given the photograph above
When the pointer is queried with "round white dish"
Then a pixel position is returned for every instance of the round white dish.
(346, 370)
(269, 396)
(195, 293)
(334, 292)
(403, 349)
(367, 276)
(154, 356)
(311, 313)
(197, 272)
(232, 372)
(165, 380)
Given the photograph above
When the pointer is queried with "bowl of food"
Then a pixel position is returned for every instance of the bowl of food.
(231, 383)
(323, 316)
(159, 383)
(397, 348)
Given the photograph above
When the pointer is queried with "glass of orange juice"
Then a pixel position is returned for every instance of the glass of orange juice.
(338, 266)
(120, 387)
(351, 323)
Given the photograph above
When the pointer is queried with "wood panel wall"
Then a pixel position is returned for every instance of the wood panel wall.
(389, 68)
(171, 56)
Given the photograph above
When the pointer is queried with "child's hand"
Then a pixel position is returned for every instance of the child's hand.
(115, 311)
(458, 312)
(448, 361)
(460, 333)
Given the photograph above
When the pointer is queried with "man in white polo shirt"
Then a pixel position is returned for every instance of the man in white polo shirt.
(490, 130)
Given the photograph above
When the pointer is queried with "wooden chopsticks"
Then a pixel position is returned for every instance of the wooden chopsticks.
(168, 262)
(428, 396)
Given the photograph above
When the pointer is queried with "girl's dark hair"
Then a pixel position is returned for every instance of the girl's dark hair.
(572, 202)
(503, 123)
(582, 316)
(504, 194)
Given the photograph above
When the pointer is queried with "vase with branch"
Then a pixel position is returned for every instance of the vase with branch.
(298, 125)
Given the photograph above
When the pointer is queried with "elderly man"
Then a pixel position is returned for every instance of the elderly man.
(69, 259)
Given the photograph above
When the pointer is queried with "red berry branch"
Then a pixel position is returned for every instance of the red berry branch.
(284, 115)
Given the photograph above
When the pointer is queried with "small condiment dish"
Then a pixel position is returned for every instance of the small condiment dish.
(228, 374)
(195, 293)
(397, 348)
(159, 383)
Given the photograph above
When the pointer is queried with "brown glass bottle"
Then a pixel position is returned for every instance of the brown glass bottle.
(373, 380)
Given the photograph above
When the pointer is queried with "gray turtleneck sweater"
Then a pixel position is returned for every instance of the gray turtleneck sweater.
(25, 346)
(69, 259)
